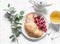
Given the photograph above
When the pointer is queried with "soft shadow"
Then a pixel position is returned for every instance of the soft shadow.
(55, 27)
(44, 11)
(32, 39)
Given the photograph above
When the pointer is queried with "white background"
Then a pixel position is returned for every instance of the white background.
(5, 30)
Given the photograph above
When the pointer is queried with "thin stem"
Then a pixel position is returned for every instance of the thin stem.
(16, 39)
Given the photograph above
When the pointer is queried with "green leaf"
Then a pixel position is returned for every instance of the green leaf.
(16, 19)
(11, 9)
(12, 12)
(5, 9)
(18, 34)
(13, 26)
(13, 39)
(8, 5)
(20, 23)
(20, 17)
(19, 27)
(21, 12)
(7, 15)
(16, 15)
(11, 36)
(16, 22)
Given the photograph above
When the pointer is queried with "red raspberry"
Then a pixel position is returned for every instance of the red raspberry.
(41, 21)
(35, 21)
(38, 17)
(45, 30)
(42, 18)
(38, 20)
(35, 18)
(44, 25)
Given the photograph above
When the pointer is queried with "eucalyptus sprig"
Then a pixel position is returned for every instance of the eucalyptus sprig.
(15, 21)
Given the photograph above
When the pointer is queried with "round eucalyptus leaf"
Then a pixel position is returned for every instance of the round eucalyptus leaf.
(21, 12)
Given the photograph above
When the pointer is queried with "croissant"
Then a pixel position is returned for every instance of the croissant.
(31, 28)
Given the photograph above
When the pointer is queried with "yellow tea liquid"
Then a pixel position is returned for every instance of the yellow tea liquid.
(55, 17)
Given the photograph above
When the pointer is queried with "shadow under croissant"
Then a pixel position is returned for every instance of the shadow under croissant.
(33, 40)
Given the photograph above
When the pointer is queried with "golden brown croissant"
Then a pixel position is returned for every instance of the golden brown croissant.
(31, 28)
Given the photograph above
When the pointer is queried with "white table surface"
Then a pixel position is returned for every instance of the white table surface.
(5, 29)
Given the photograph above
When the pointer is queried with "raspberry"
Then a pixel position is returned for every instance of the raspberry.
(44, 25)
(38, 20)
(38, 17)
(42, 18)
(45, 30)
(35, 21)
(34, 18)
(41, 21)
